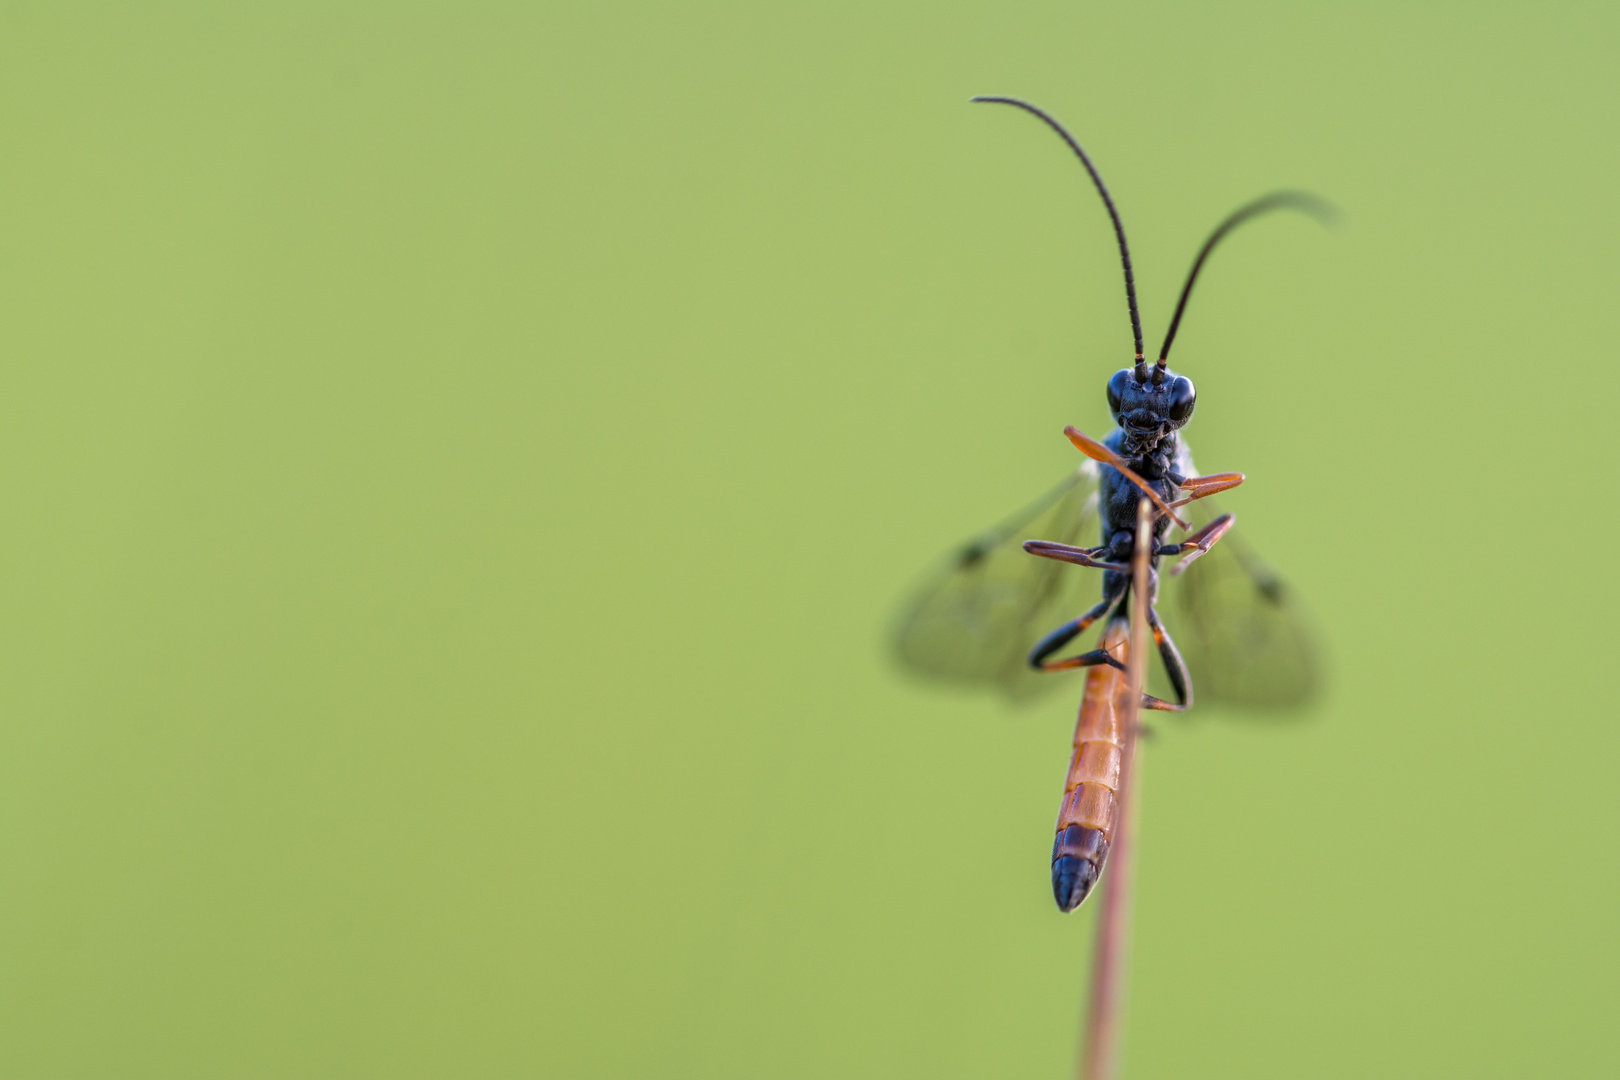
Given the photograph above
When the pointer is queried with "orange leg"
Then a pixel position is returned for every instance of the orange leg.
(1198, 543)
(1200, 486)
(1048, 549)
(1096, 451)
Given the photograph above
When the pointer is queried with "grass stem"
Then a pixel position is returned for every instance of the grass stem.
(1110, 958)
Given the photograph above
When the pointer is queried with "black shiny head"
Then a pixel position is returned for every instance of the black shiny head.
(1150, 406)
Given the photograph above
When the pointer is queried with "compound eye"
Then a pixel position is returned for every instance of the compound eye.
(1116, 390)
(1183, 398)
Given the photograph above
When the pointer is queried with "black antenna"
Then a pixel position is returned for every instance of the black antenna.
(1317, 207)
(1119, 229)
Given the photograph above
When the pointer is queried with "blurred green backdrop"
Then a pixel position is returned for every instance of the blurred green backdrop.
(458, 462)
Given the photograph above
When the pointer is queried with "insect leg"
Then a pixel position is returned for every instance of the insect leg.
(1198, 543)
(1072, 629)
(1048, 549)
(1202, 486)
(1090, 659)
(1096, 451)
(1174, 666)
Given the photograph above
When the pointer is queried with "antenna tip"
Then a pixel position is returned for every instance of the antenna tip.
(1323, 210)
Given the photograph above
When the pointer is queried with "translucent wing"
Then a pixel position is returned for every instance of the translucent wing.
(974, 621)
(1245, 637)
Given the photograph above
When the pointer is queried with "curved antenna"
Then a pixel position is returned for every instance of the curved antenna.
(1304, 201)
(1119, 229)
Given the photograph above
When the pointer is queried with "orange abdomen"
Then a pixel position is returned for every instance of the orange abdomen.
(1090, 809)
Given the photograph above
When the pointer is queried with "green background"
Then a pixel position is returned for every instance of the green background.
(458, 463)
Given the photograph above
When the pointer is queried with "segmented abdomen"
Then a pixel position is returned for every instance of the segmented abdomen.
(1086, 821)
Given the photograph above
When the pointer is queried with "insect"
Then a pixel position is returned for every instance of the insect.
(978, 621)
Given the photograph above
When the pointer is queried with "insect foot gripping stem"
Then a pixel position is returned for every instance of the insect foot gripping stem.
(1089, 813)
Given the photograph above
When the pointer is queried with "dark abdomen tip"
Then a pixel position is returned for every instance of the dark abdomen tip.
(1077, 860)
(1072, 879)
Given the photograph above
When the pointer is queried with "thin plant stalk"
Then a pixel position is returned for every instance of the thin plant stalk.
(1099, 1055)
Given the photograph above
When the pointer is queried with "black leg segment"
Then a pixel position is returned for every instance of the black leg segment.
(1070, 630)
(1174, 667)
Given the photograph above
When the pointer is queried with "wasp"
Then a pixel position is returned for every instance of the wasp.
(978, 621)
